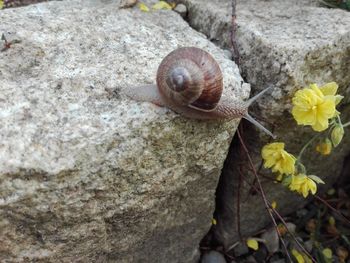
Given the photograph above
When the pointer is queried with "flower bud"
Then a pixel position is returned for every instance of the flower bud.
(337, 135)
(324, 147)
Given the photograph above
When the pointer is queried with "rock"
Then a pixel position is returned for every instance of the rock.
(181, 9)
(120, 3)
(271, 240)
(275, 259)
(213, 257)
(17, 3)
(286, 45)
(240, 249)
(87, 175)
(250, 259)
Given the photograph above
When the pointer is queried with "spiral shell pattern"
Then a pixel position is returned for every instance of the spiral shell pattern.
(191, 77)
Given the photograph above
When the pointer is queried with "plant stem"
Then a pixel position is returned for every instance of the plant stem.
(346, 124)
(305, 146)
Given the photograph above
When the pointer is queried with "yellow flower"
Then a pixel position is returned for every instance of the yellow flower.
(337, 135)
(315, 106)
(277, 158)
(330, 89)
(324, 147)
(304, 184)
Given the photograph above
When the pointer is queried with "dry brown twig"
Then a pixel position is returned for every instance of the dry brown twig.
(262, 193)
(235, 52)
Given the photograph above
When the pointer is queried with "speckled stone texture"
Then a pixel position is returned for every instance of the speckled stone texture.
(87, 175)
(286, 45)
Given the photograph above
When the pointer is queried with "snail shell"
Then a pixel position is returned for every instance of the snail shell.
(190, 82)
(190, 76)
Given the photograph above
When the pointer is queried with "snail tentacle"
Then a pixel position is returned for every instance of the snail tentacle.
(250, 118)
(258, 125)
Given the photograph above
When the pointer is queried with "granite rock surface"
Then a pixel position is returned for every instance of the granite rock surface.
(86, 174)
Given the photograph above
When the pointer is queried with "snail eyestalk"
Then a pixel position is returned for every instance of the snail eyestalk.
(257, 124)
(251, 119)
(257, 96)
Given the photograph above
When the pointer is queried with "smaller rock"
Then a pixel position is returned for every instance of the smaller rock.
(227, 53)
(251, 259)
(272, 241)
(240, 249)
(277, 260)
(213, 257)
(126, 3)
(291, 227)
(181, 9)
(261, 254)
(309, 244)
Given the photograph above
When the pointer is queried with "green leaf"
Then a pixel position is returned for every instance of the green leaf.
(316, 179)
(287, 180)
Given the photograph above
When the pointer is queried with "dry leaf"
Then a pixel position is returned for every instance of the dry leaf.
(311, 226)
(162, 5)
(327, 252)
(274, 204)
(332, 229)
(143, 7)
(342, 254)
(252, 243)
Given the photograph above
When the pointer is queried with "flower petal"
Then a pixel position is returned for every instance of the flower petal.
(329, 88)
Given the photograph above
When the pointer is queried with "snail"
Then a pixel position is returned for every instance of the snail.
(190, 82)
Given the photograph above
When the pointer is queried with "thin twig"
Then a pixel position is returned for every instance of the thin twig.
(238, 217)
(263, 195)
(235, 52)
(262, 162)
(293, 236)
(283, 222)
(332, 208)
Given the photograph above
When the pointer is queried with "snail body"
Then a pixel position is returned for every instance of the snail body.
(190, 82)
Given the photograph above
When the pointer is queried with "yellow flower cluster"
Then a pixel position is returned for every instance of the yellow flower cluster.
(315, 105)
(279, 160)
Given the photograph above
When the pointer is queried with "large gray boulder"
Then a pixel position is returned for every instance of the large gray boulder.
(286, 45)
(86, 174)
